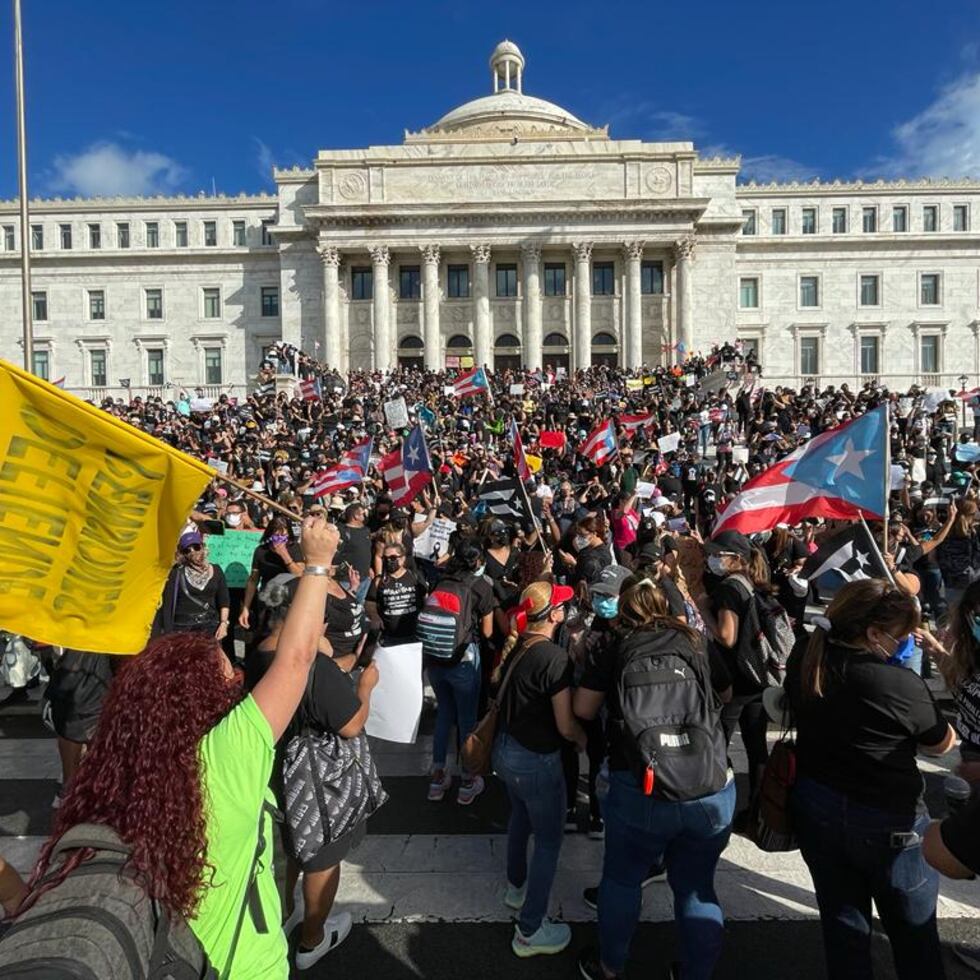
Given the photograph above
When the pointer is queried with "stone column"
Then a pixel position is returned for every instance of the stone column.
(533, 328)
(684, 256)
(380, 257)
(333, 347)
(582, 345)
(483, 342)
(633, 353)
(430, 307)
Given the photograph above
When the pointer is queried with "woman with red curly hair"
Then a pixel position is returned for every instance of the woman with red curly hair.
(179, 767)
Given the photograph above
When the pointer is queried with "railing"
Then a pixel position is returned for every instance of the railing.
(169, 392)
(894, 382)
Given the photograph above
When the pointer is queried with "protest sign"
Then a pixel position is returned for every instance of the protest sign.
(919, 470)
(232, 553)
(669, 442)
(634, 384)
(897, 477)
(396, 701)
(517, 389)
(740, 454)
(645, 490)
(91, 514)
(396, 413)
(434, 540)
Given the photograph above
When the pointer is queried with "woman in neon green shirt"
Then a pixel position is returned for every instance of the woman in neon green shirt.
(179, 767)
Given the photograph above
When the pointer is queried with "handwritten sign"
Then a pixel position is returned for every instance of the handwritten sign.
(232, 552)
(434, 540)
(669, 442)
(396, 413)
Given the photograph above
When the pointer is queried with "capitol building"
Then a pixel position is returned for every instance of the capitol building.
(508, 232)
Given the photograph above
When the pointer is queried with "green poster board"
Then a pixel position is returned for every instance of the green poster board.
(232, 551)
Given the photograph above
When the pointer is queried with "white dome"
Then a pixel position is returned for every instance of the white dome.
(506, 48)
(509, 105)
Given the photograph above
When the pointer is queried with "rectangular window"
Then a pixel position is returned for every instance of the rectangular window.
(152, 234)
(154, 304)
(506, 280)
(554, 278)
(602, 279)
(42, 365)
(212, 365)
(211, 233)
(869, 219)
(840, 221)
(961, 217)
(748, 293)
(809, 292)
(929, 354)
(652, 278)
(748, 222)
(809, 226)
(809, 356)
(900, 218)
(930, 218)
(212, 303)
(98, 367)
(270, 301)
(8, 238)
(458, 281)
(37, 237)
(154, 366)
(869, 291)
(929, 289)
(238, 233)
(96, 304)
(39, 302)
(65, 232)
(409, 282)
(122, 234)
(361, 282)
(266, 236)
(95, 236)
(180, 234)
(869, 355)
(779, 221)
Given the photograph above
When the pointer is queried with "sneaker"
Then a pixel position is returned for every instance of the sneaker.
(439, 785)
(293, 919)
(591, 898)
(658, 872)
(571, 821)
(597, 829)
(514, 896)
(335, 930)
(470, 789)
(589, 965)
(550, 938)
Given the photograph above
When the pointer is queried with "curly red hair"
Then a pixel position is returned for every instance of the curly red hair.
(142, 773)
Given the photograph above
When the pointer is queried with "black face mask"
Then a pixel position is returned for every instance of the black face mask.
(391, 563)
(498, 540)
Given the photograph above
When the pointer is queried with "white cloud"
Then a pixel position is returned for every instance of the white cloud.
(941, 141)
(107, 169)
(264, 158)
(771, 167)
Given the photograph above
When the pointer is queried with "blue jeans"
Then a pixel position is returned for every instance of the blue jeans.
(457, 691)
(535, 783)
(855, 857)
(688, 837)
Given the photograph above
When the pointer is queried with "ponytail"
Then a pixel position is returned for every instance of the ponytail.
(814, 666)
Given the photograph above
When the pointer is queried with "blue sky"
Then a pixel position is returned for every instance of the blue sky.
(144, 96)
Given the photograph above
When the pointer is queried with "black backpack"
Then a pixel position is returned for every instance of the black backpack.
(766, 638)
(672, 733)
(445, 623)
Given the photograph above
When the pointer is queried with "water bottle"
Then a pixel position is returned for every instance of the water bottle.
(602, 782)
(958, 792)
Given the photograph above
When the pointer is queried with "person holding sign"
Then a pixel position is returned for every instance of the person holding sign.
(195, 598)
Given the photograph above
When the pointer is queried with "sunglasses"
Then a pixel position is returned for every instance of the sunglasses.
(192, 548)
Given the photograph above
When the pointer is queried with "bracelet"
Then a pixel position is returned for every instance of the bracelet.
(321, 571)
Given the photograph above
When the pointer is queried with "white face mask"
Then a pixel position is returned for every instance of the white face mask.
(480, 570)
(581, 541)
(233, 520)
(716, 564)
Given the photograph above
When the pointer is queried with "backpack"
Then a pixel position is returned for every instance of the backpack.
(100, 923)
(672, 734)
(445, 623)
(765, 639)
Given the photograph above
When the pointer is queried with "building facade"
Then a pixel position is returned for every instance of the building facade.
(508, 232)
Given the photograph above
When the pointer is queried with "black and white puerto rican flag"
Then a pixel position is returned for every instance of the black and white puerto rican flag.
(851, 554)
(503, 498)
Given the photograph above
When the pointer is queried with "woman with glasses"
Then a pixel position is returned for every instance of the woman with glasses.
(195, 598)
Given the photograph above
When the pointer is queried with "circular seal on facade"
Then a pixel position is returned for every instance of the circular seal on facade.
(352, 185)
(659, 180)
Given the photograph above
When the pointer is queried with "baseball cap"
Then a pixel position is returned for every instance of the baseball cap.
(729, 542)
(191, 537)
(540, 597)
(610, 580)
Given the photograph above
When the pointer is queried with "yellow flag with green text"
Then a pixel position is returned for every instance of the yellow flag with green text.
(90, 513)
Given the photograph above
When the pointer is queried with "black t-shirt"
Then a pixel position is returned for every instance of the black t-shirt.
(504, 576)
(861, 737)
(731, 596)
(601, 666)
(199, 608)
(269, 564)
(961, 835)
(526, 713)
(675, 600)
(399, 601)
(355, 549)
(345, 623)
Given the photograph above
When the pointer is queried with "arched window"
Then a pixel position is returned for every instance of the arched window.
(555, 340)
(411, 342)
(459, 340)
(603, 340)
(507, 340)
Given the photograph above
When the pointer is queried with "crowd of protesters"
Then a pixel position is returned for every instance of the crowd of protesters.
(603, 569)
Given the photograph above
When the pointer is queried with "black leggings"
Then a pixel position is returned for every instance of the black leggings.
(595, 748)
(747, 711)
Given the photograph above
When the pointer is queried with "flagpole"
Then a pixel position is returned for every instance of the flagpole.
(874, 544)
(261, 498)
(25, 229)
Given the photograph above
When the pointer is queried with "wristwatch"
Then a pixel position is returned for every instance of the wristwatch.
(321, 570)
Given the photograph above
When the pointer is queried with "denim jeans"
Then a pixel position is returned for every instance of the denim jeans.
(457, 691)
(855, 857)
(688, 837)
(536, 787)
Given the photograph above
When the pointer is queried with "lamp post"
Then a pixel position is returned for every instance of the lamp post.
(963, 381)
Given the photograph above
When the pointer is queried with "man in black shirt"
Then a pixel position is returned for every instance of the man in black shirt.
(355, 547)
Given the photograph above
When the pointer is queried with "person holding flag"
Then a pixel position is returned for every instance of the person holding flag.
(520, 460)
(600, 444)
(472, 383)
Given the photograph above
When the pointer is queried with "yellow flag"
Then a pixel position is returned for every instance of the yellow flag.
(90, 513)
(533, 462)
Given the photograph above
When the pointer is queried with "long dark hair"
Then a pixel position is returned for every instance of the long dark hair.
(964, 652)
(643, 605)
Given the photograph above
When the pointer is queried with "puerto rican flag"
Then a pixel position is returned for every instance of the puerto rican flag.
(520, 460)
(310, 390)
(841, 474)
(336, 478)
(600, 444)
(408, 469)
(633, 423)
(471, 383)
(359, 455)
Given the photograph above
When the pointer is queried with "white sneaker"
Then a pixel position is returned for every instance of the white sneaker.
(439, 784)
(335, 930)
(469, 790)
(514, 896)
(550, 938)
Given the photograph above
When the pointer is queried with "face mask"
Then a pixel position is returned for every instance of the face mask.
(391, 563)
(278, 539)
(479, 572)
(581, 542)
(605, 606)
(498, 540)
(233, 520)
(716, 564)
(904, 650)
